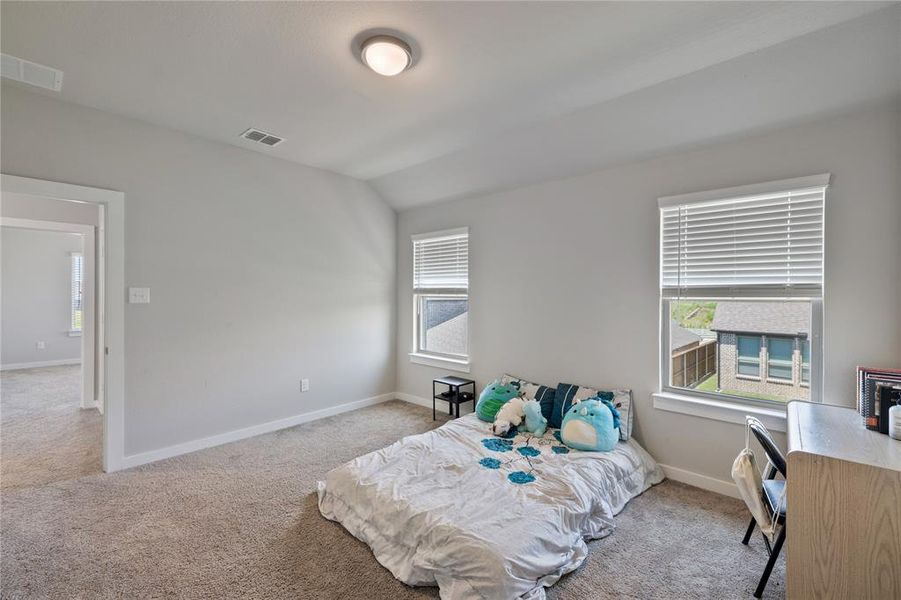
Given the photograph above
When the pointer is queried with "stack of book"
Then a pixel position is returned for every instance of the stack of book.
(877, 391)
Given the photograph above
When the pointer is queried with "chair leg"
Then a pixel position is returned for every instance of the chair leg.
(749, 532)
(777, 547)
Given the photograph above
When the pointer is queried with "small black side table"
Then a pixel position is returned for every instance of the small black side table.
(453, 396)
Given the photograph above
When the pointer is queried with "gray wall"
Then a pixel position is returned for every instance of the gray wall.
(564, 283)
(262, 271)
(36, 294)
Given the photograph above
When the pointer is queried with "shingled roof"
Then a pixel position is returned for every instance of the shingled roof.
(776, 318)
(679, 337)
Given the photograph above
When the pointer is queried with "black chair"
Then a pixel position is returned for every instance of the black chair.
(773, 493)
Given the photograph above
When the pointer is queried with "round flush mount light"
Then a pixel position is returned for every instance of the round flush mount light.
(386, 55)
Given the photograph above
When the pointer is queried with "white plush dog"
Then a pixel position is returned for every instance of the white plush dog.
(510, 415)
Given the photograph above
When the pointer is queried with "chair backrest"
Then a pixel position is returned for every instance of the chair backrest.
(769, 445)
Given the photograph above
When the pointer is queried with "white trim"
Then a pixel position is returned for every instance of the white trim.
(741, 191)
(436, 235)
(436, 361)
(40, 363)
(142, 458)
(48, 226)
(112, 205)
(718, 410)
(58, 190)
(705, 482)
(418, 400)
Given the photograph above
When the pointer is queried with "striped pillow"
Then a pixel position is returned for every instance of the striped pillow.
(569, 393)
(534, 391)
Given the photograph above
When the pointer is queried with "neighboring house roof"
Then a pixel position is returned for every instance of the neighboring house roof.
(450, 334)
(679, 337)
(782, 318)
(705, 334)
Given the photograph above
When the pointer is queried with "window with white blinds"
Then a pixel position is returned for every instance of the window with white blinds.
(441, 262)
(77, 291)
(755, 241)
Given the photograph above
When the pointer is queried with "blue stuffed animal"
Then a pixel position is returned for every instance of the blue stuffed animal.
(591, 425)
(492, 398)
(535, 421)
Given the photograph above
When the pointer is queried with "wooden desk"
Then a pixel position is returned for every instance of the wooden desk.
(844, 506)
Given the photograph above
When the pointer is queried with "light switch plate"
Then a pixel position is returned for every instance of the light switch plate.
(304, 385)
(139, 295)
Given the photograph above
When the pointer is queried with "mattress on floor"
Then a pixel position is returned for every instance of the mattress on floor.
(479, 516)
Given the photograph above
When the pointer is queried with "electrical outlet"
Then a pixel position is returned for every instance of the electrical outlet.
(304, 385)
(41, 345)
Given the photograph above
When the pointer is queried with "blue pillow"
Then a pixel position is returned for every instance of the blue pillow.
(534, 391)
(566, 394)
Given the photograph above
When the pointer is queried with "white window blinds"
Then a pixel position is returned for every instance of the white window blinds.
(77, 291)
(441, 262)
(755, 241)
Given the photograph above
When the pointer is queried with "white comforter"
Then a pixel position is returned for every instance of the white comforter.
(434, 514)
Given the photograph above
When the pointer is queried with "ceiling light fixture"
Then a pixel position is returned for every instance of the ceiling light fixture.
(386, 55)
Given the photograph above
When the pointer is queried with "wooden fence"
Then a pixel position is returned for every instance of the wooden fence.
(694, 365)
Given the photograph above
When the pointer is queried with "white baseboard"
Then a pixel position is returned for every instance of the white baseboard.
(688, 477)
(441, 405)
(705, 482)
(419, 400)
(142, 458)
(38, 364)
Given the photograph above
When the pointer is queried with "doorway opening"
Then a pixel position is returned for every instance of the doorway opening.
(62, 329)
(51, 394)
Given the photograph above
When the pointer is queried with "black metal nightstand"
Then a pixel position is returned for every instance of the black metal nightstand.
(453, 396)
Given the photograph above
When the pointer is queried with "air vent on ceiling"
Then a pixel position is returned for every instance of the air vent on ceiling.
(31, 73)
(255, 135)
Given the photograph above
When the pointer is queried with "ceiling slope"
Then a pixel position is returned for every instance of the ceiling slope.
(502, 92)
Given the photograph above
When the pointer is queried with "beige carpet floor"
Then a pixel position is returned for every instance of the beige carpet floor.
(44, 435)
(240, 521)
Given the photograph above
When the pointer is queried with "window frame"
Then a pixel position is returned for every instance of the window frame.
(419, 332)
(780, 362)
(419, 354)
(805, 382)
(669, 396)
(757, 361)
(816, 358)
(73, 301)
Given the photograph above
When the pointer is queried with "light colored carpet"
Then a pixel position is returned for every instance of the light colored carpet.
(240, 521)
(45, 435)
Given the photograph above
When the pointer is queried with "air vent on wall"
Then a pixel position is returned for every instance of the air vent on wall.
(31, 73)
(261, 137)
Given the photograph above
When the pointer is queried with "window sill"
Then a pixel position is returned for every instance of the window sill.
(74, 333)
(719, 410)
(747, 377)
(439, 361)
(780, 381)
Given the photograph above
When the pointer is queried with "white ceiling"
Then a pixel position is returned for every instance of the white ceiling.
(503, 94)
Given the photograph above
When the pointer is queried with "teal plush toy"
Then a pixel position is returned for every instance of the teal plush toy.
(591, 425)
(492, 398)
(535, 421)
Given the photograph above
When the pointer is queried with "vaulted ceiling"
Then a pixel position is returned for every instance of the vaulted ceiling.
(503, 93)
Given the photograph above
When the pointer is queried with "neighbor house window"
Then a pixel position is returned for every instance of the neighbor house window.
(779, 354)
(748, 355)
(805, 362)
(441, 297)
(77, 292)
(741, 287)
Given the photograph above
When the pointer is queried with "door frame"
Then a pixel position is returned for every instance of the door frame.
(111, 254)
